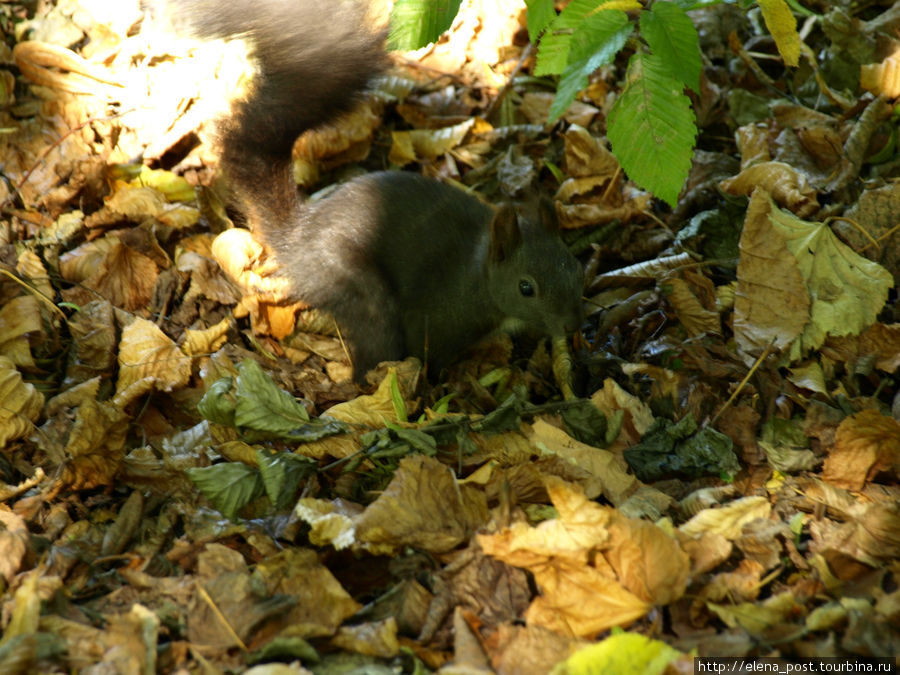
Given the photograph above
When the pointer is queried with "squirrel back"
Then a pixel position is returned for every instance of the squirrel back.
(406, 264)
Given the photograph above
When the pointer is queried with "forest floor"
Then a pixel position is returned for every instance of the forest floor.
(191, 482)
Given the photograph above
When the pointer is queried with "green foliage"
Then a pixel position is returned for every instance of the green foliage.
(229, 486)
(282, 473)
(253, 401)
(673, 38)
(416, 23)
(680, 449)
(652, 128)
(596, 43)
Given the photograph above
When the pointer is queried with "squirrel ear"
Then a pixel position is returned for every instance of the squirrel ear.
(505, 233)
(547, 214)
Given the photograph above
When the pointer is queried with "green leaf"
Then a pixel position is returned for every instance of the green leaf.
(416, 23)
(667, 450)
(553, 53)
(229, 486)
(261, 405)
(397, 399)
(595, 42)
(217, 404)
(585, 423)
(282, 473)
(652, 129)
(672, 37)
(540, 15)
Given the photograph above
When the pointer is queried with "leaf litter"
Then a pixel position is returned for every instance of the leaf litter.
(189, 483)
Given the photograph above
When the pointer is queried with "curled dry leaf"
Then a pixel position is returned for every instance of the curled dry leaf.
(696, 319)
(197, 342)
(753, 142)
(866, 444)
(727, 520)
(31, 267)
(786, 185)
(881, 78)
(148, 360)
(20, 403)
(239, 254)
(426, 144)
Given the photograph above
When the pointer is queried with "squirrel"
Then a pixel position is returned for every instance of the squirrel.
(407, 265)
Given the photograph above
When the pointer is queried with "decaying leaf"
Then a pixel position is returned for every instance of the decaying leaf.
(148, 360)
(20, 403)
(866, 445)
(595, 567)
(423, 506)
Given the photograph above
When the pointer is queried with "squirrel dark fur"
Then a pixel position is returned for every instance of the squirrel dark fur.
(405, 264)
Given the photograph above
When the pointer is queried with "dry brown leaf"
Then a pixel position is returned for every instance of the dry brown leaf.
(20, 323)
(588, 156)
(879, 341)
(647, 561)
(31, 267)
(20, 403)
(148, 360)
(740, 585)
(536, 109)
(788, 187)
(14, 539)
(580, 600)
(771, 304)
(609, 472)
(378, 639)
(426, 144)
(753, 143)
(773, 615)
(866, 444)
(727, 520)
(197, 342)
(696, 319)
(96, 446)
(707, 552)
(111, 269)
(881, 78)
(320, 602)
(638, 417)
(594, 566)
(423, 506)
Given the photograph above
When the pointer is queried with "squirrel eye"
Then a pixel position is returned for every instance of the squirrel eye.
(526, 288)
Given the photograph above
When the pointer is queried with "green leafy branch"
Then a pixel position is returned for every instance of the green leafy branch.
(651, 127)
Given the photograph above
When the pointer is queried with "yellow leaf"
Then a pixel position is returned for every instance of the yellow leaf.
(783, 27)
(622, 653)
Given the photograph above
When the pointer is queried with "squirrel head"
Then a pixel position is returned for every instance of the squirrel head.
(532, 277)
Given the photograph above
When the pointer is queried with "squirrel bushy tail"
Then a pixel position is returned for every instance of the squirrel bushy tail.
(405, 264)
(313, 58)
